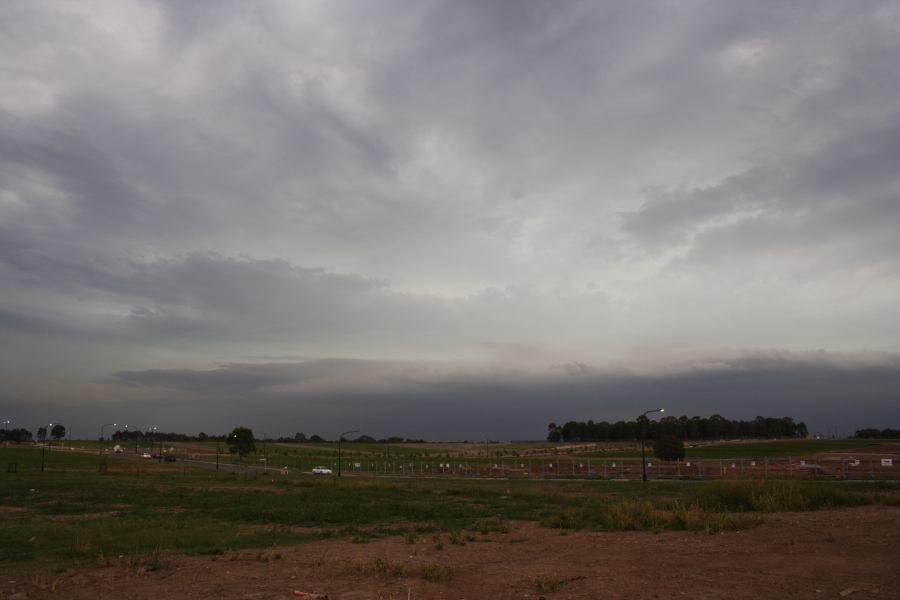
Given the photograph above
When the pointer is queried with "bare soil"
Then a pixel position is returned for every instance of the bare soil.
(848, 553)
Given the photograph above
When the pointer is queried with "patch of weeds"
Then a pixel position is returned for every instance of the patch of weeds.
(410, 537)
(436, 542)
(456, 538)
(102, 559)
(495, 525)
(549, 583)
(268, 556)
(358, 539)
(387, 568)
(154, 560)
(436, 573)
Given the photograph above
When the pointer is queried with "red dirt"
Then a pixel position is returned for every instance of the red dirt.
(849, 553)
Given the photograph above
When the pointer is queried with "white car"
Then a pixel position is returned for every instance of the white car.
(146, 455)
(320, 470)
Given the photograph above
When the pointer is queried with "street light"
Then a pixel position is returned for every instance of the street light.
(102, 427)
(341, 439)
(100, 450)
(643, 458)
(147, 435)
(44, 445)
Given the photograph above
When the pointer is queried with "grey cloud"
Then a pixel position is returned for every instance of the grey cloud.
(842, 199)
(186, 183)
(517, 404)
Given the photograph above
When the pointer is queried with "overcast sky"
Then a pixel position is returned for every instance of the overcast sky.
(448, 219)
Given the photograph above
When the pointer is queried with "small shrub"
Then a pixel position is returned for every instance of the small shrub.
(436, 573)
(410, 537)
(496, 525)
(268, 556)
(387, 568)
(155, 561)
(547, 583)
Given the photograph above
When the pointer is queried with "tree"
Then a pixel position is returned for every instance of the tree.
(58, 432)
(553, 433)
(42, 433)
(669, 447)
(241, 442)
(300, 437)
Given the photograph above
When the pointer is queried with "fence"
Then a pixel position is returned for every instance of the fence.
(849, 468)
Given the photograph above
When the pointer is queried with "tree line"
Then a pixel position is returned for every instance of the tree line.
(18, 436)
(58, 432)
(886, 434)
(684, 427)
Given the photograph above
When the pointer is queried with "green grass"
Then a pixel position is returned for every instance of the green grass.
(72, 514)
(779, 448)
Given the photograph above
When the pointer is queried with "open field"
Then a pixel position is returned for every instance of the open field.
(145, 526)
(803, 459)
(837, 554)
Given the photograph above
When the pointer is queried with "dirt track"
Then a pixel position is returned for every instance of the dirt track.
(850, 553)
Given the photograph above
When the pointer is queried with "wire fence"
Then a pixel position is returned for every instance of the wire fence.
(848, 468)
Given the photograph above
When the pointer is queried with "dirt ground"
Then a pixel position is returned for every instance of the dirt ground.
(848, 553)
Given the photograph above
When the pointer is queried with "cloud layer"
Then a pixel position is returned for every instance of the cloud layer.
(613, 187)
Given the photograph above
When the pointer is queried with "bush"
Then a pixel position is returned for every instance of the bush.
(669, 447)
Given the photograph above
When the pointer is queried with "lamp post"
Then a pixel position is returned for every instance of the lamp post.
(341, 439)
(152, 432)
(5, 429)
(100, 450)
(643, 458)
(44, 445)
(102, 427)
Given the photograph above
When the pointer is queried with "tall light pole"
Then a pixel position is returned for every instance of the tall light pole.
(5, 429)
(102, 427)
(100, 450)
(341, 439)
(44, 445)
(644, 458)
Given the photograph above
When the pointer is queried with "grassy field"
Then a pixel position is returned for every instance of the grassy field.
(304, 456)
(779, 448)
(72, 514)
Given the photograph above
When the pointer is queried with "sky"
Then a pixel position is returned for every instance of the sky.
(448, 219)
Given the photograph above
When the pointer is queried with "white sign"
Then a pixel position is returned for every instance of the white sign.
(855, 463)
(887, 462)
(687, 464)
(752, 463)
